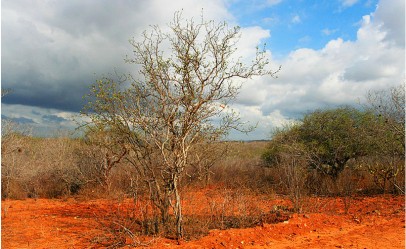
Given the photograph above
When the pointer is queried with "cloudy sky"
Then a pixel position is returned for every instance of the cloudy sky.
(331, 52)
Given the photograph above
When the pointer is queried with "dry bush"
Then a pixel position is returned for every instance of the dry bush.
(242, 173)
(293, 175)
(54, 173)
(39, 167)
(242, 167)
(233, 209)
(387, 172)
(132, 222)
(347, 184)
(53, 167)
(124, 223)
(204, 158)
(13, 146)
(125, 180)
(320, 184)
(88, 160)
(129, 222)
(227, 208)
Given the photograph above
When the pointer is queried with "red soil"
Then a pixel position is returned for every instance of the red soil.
(371, 222)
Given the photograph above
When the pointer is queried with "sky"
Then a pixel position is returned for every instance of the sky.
(331, 53)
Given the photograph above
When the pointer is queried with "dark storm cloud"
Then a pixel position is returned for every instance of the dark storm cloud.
(63, 94)
(52, 51)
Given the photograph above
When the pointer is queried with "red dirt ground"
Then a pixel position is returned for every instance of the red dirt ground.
(372, 222)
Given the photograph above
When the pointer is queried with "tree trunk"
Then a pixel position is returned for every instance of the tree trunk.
(178, 209)
(164, 209)
(161, 202)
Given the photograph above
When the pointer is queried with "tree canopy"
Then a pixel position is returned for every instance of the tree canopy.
(327, 138)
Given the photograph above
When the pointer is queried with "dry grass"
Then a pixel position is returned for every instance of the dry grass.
(54, 167)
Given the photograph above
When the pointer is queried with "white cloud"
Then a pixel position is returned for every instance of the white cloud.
(252, 93)
(340, 73)
(391, 15)
(251, 37)
(264, 124)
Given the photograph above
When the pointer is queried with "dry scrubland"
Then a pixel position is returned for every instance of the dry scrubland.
(151, 170)
(60, 167)
(237, 192)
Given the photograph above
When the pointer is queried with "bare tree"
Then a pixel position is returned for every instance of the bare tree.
(109, 148)
(182, 95)
(390, 105)
(387, 161)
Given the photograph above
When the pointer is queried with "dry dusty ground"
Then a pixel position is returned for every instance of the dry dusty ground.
(372, 222)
